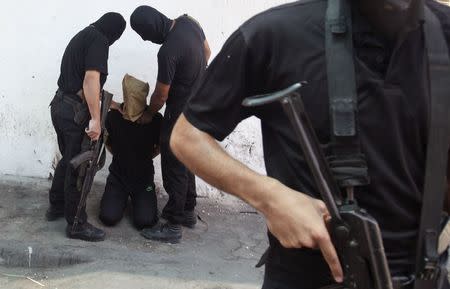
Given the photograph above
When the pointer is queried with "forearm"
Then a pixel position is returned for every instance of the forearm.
(205, 158)
(295, 219)
(91, 89)
(156, 103)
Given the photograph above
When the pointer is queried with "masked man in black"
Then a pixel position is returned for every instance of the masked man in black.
(182, 59)
(286, 45)
(75, 112)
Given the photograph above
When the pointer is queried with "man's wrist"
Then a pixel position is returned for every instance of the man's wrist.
(262, 199)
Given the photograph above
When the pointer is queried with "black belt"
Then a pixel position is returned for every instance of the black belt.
(81, 110)
(69, 97)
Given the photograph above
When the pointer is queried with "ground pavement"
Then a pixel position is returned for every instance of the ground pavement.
(219, 254)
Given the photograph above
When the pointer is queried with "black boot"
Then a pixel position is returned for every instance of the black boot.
(54, 214)
(189, 219)
(164, 232)
(86, 232)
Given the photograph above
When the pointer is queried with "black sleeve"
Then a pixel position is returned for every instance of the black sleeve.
(202, 33)
(166, 66)
(215, 107)
(197, 27)
(200, 30)
(443, 13)
(97, 55)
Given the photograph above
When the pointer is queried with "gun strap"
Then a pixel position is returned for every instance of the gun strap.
(435, 187)
(346, 161)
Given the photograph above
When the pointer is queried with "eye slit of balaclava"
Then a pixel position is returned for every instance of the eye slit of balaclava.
(150, 24)
(112, 25)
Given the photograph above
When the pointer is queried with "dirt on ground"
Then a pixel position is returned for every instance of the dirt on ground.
(219, 253)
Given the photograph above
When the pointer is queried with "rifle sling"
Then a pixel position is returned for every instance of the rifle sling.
(347, 161)
(435, 187)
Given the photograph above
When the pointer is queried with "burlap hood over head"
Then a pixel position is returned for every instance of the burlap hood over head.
(135, 94)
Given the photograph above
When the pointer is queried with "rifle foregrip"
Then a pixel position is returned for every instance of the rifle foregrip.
(81, 159)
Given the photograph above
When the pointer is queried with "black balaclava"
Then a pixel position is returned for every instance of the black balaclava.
(150, 24)
(392, 17)
(111, 25)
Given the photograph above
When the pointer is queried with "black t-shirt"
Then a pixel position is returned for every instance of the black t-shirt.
(132, 146)
(286, 45)
(88, 50)
(181, 60)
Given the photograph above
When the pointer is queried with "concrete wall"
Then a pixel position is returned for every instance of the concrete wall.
(34, 35)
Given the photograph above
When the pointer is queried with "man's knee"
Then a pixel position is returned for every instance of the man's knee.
(109, 218)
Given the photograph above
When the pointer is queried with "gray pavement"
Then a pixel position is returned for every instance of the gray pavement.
(217, 255)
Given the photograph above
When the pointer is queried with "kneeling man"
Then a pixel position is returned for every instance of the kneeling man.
(133, 140)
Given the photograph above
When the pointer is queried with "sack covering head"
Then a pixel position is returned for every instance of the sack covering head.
(135, 94)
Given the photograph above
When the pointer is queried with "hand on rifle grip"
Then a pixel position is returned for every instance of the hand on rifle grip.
(298, 221)
(94, 130)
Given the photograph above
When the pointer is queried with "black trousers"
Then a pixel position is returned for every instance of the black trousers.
(115, 199)
(273, 280)
(69, 117)
(178, 181)
(312, 272)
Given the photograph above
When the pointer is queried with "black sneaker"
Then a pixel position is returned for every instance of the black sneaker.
(164, 232)
(85, 232)
(53, 214)
(189, 219)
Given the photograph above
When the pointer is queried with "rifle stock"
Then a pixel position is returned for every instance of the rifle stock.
(82, 158)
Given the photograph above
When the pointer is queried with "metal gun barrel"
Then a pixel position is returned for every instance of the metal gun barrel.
(292, 106)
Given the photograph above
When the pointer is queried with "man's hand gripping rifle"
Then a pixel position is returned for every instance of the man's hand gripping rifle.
(355, 233)
(91, 159)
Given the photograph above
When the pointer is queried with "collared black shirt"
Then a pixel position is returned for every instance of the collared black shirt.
(181, 60)
(88, 50)
(286, 45)
(132, 146)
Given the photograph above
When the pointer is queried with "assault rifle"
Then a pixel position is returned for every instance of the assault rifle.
(355, 234)
(91, 160)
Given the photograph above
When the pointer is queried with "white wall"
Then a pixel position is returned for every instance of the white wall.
(33, 38)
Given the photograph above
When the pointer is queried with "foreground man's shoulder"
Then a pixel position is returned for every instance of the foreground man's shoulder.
(296, 16)
(442, 12)
(438, 6)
